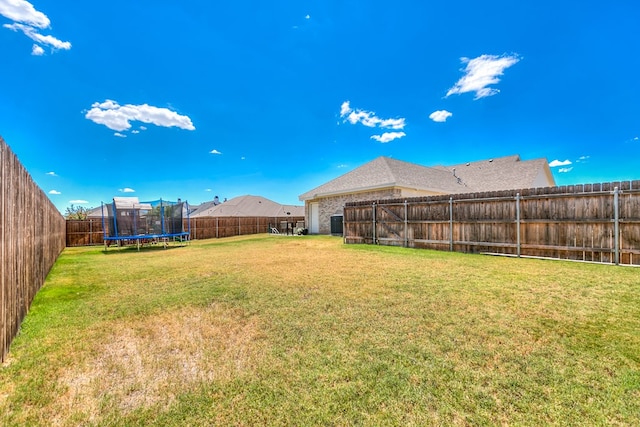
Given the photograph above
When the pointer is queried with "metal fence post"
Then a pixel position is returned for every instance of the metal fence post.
(616, 224)
(518, 223)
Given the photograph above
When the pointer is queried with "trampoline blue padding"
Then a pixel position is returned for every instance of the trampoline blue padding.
(147, 236)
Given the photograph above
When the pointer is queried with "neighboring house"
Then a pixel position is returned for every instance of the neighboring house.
(386, 178)
(95, 213)
(249, 206)
(204, 206)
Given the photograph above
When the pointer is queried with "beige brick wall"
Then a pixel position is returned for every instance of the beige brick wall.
(329, 206)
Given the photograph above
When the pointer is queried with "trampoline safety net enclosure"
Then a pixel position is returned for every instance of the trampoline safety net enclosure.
(128, 221)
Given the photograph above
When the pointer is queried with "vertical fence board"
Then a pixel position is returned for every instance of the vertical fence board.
(32, 235)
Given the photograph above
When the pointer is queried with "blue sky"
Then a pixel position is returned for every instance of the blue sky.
(195, 99)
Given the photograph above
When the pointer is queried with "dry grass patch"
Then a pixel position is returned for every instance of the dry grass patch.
(149, 361)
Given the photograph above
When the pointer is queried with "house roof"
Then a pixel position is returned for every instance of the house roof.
(504, 173)
(249, 206)
(130, 203)
(95, 212)
(384, 172)
(486, 175)
(202, 207)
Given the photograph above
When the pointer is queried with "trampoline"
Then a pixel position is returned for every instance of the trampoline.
(128, 221)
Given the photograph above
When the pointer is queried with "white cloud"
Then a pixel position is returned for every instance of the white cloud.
(135, 131)
(143, 128)
(388, 136)
(55, 192)
(582, 159)
(307, 17)
(481, 72)
(23, 11)
(391, 123)
(118, 117)
(214, 152)
(78, 202)
(34, 35)
(119, 135)
(51, 173)
(345, 109)
(30, 21)
(556, 163)
(126, 190)
(208, 190)
(440, 116)
(37, 50)
(368, 118)
(565, 170)
(106, 105)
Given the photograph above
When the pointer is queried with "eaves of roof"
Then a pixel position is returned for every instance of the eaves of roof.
(391, 185)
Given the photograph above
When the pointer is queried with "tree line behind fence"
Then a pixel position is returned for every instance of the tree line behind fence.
(90, 231)
(594, 222)
(32, 235)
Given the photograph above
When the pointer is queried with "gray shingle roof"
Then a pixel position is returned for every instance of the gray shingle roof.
(486, 175)
(250, 206)
(202, 207)
(95, 212)
(384, 172)
(504, 173)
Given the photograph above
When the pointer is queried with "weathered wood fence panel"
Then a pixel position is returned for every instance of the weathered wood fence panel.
(594, 222)
(218, 227)
(32, 235)
(90, 231)
(84, 232)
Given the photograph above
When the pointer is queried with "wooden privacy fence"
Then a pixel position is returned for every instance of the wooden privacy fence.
(210, 227)
(32, 235)
(592, 222)
(89, 231)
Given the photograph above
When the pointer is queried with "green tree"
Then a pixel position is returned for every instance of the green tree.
(76, 212)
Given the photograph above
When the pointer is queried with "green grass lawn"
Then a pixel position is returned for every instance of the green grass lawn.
(274, 330)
